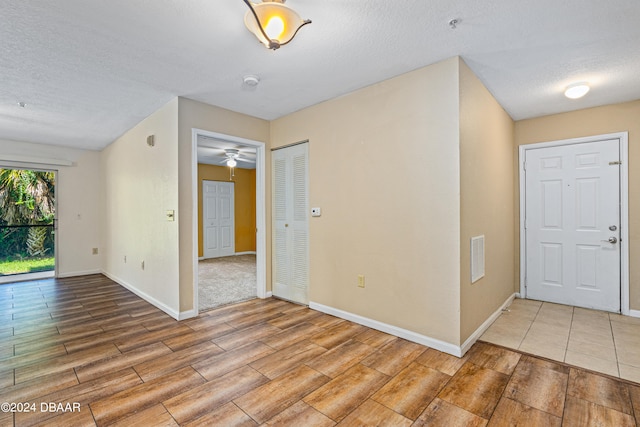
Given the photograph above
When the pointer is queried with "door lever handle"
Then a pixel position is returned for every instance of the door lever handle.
(611, 240)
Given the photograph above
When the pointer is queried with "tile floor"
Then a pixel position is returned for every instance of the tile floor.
(603, 342)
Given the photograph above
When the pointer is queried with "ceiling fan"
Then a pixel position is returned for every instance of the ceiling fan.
(233, 156)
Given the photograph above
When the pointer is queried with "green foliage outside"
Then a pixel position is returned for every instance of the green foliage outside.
(31, 265)
(26, 198)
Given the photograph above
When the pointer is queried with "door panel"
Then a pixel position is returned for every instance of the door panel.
(290, 223)
(572, 198)
(218, 219)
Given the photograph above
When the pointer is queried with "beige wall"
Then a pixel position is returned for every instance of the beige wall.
(244, 204)
(140, 185)
(486, 200)
(193, 114)
(592, 121)
(384, 168)
(79, 201)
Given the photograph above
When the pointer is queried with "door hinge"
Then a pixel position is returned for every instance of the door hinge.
(524, 166)
(615, 163)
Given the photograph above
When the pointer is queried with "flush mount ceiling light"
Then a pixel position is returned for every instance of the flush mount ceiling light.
(576, 90)
(273, 23)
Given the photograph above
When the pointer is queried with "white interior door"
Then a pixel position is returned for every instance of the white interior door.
(290, 242)
(218, 219)
(572, 224)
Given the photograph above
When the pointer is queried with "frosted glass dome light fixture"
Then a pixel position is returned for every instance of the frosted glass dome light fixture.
(273, 23)
(576, 90)
(232, 163)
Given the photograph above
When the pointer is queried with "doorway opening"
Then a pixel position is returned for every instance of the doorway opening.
(229, 184)
(27, 224)
(574, 225)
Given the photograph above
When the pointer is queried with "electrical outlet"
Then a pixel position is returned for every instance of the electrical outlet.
(361, 280)
(94, 251)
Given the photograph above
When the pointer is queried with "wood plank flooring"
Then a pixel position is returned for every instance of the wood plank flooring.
(87, 341)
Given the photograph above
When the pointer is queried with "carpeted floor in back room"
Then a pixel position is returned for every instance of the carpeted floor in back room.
(226, 280)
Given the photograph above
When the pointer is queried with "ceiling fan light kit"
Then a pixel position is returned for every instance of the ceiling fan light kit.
(233, 156)
(273, 23)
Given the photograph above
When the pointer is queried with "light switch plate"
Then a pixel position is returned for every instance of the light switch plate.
(316, 211)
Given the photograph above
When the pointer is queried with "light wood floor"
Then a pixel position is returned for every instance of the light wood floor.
(90, 342)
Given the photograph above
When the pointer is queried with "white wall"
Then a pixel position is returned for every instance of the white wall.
(79, 197)
(80, 216)
(140, 185)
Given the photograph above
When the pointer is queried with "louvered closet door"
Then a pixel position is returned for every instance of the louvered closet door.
(290, 242)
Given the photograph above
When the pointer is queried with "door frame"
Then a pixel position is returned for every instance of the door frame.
(261, 221)
(623, 137)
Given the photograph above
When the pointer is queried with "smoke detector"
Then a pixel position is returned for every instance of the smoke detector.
(251, 80)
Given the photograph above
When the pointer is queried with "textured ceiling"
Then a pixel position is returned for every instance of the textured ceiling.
(89, 70)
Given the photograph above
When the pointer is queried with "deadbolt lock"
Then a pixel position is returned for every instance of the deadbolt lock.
(613, 228)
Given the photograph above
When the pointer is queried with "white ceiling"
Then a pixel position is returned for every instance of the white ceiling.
(89, 70)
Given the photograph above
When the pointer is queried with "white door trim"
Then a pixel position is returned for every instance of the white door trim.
(623, 137)
(261, 221)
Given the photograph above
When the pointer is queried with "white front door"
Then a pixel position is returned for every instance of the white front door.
(290, 241)
(572, 224)
(218, 219)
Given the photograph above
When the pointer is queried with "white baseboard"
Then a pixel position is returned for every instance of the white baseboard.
(79, 273)
(171, 312)
(187, 314)
(390, 329)
(478, 332)
(634, 313)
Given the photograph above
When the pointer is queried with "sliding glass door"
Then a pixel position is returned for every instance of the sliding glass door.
(27, 223)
